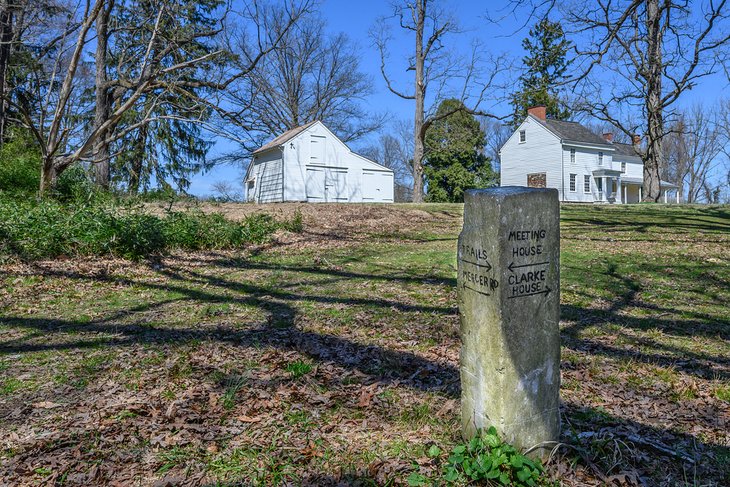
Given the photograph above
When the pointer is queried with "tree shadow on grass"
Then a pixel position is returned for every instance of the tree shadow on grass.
(129, 326)
(279, 331)
(628, 220)
(280, 303)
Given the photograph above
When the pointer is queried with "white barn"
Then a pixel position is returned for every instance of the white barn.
(309, 163)
(581, 165)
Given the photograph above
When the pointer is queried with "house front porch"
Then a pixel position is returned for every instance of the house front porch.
(608, 182)
(632, 191)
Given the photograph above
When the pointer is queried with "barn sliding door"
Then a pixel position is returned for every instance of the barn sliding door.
(335, 188)
(326, 185)
(377, 186)
(315, 185)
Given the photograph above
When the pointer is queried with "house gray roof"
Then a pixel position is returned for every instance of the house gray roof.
(662, 183)
(574, 132)
(285, 137)
(625, 149)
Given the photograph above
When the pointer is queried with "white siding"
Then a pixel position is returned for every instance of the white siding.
(634, 170)
(586, 161)
(268, 177)
(544, 152)
(318, 167)
(540, 153)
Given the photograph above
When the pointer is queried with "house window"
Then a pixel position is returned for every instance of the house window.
(586, 184)
(537, 180)
(250, 192)
(623, 167)
(572, 182)
(523, 136)
(572, 156)
(600, 158)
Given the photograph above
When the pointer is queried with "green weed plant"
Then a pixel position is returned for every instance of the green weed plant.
(484, 460)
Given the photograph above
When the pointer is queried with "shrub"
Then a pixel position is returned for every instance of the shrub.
(32, 230)
(20, 164)
(74, 184)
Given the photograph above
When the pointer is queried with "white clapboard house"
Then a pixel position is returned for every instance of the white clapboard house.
(309, 163)
(581, 165)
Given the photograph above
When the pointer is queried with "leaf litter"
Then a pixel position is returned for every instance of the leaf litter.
(119, 373)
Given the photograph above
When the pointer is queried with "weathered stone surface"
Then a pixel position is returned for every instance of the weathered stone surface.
(509, 302)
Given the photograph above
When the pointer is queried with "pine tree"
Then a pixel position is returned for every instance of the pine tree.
(171, 147)
(545, 67)
(455, 159)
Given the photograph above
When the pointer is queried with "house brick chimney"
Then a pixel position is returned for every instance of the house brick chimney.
(608, 136)
(636, 139)
(538, 111)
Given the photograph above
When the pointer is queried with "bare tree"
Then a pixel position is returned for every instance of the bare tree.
(309, 76)
(641, 57)
(433, 67)
(694, 150)
(225, 191)
(62, 133)
(103, 100)
(496, 134)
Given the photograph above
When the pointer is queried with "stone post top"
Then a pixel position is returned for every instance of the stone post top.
(505, 191)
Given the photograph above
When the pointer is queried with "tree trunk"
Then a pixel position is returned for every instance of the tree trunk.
(6, 37)
(48, 175)
(103, 100)
(654, 154)
(418, 146)
(137, 163)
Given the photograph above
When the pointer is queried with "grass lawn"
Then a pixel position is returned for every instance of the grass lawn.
(331, 356)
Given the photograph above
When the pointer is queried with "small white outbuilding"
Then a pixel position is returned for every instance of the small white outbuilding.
(309, 163)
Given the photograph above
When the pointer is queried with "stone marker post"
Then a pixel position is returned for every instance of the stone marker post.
(509, 303)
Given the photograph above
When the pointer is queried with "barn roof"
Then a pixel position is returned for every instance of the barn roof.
(285, 137)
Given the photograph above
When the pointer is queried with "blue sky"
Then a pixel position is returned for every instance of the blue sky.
(357, 18)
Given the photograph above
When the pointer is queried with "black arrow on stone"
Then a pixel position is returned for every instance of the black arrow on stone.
(483, 293)
(512, 265)
(487, 266)
(545, 291)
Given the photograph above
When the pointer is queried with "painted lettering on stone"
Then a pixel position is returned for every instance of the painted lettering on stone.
(475, 266)
(527, 278)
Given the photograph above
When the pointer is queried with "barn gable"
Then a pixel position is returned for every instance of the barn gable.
(312, 164)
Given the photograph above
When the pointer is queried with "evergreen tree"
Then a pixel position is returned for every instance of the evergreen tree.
(170, 147)
(544, 68)
(455, 159)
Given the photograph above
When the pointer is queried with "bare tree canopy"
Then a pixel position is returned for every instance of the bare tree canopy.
(438, 72)
(638, 58)
(694, 149)
(172, 59)
(310, 76)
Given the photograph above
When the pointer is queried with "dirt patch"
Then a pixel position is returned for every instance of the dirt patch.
(332, 218)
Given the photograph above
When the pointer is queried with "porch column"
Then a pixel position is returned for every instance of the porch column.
(665, 197)
(625, 194)
(677, 194)
(640, 197)
(618, 190)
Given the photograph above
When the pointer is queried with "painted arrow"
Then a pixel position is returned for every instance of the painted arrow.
(486, 265)
(464, 286)
(512, 265)
(545, 291)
